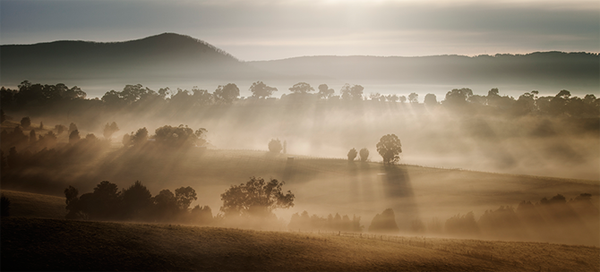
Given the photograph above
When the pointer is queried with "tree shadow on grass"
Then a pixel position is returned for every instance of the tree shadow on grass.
(399, 194)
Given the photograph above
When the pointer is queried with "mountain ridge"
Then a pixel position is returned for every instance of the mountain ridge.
(171, 58)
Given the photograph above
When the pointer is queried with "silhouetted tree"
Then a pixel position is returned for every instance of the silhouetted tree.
(137, 201)
(109, 130)
(275, 146)
(384, 222)
(301, 88)
(202, 215)
(392, 98)
(4, 206)
(2, 116)
(184, 197)
(402, 99)
(201, 97)
(104, 201)
(430, 100)
(226, 94)
(462, 224)
(60, 129)
(256, 198)
(41, 125)
(325, 92)
(72, 127)
(364, 154)
(413, 98)
(389, 147)
(261, 90)
(458, 97)
(353, 92)
(74, 136)
(25, 122)
(179, 137)
(352, 154)
(140, 137)
(165, 205)
(72, 201)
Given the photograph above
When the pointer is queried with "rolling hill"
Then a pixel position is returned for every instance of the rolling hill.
(171, 59)
(539, 69)
(50, 244)
(166, 56)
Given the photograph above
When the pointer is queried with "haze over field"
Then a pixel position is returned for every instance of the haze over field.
(451, 119)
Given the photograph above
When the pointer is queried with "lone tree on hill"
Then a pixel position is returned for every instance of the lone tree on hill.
(275, 146)
(256, 198)
(352, 154)
(389, 147)
(364, 154)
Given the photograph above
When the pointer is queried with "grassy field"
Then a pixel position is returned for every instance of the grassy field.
(25, 204)
(36, 237)
(50, 244)
(322, 186)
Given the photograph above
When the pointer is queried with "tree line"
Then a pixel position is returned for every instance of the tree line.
(554, 219)
(133, 98)
(256, 199)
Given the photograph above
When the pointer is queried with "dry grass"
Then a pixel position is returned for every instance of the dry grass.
(25, 204)
(49, 244)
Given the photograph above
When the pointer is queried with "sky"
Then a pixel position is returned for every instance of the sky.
(267, 29)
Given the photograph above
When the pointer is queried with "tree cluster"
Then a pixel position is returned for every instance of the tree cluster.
(256, 198)
(304, 221)
(542, 220)
(136, 202)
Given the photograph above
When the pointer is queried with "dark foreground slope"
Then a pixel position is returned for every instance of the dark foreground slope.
(49, 244)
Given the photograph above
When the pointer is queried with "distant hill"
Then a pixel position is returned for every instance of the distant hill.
(168, 56)
(169, 59)
(563, 70)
